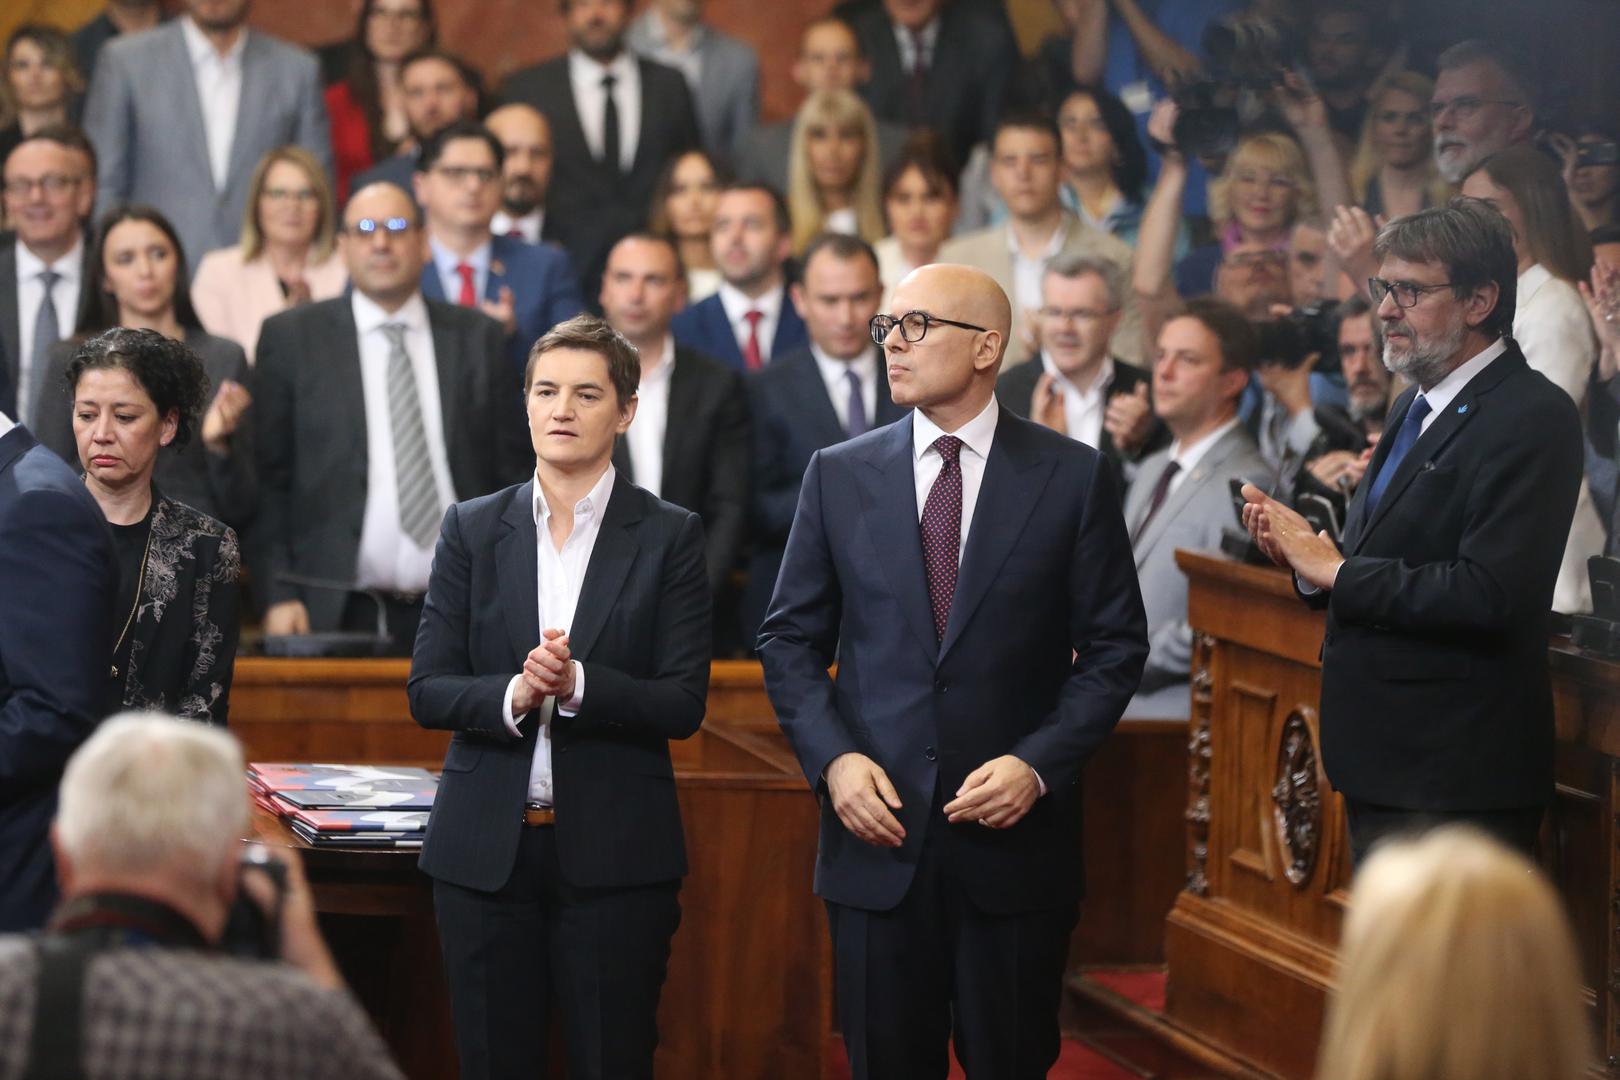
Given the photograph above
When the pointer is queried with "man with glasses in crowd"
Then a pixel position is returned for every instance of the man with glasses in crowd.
(527, 288)
(1436, 704)
(971, 573)
(50, 187)
(376, 411)
(1482, 103)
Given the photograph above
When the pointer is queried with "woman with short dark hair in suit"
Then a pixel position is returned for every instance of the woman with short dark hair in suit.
(135, 393)
(136, 276)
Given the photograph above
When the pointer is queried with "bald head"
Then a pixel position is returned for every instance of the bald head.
(525, 135)
(949, 374)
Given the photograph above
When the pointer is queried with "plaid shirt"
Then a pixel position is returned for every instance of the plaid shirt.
(186, 1015)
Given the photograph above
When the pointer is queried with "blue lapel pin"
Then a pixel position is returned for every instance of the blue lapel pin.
(1461, 409)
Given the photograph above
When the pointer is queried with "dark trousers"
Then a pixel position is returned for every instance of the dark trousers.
(596, 957)
(936, 969)
(1518, 828)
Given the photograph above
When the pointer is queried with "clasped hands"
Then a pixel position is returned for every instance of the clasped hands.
(1288, 540)
(548, 671)
(997, 794)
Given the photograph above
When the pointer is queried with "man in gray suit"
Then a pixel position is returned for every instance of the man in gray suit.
(181, 115)
(721, 72)
(1181, 497)
(376, 411)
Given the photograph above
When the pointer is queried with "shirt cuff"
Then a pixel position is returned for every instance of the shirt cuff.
(572, 705)
(1039, 781)
(506, 707)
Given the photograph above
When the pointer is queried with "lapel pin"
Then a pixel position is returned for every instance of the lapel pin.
(1461, 409)
(498, 269)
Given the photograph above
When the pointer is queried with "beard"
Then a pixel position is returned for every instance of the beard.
(520, 196)
(1426, 361)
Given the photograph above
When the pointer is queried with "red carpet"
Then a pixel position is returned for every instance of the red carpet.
(1144, 988)
(1076, 1062)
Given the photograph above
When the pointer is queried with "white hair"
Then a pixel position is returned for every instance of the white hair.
(149, 793)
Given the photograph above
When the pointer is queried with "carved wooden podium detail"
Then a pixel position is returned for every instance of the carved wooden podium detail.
(1198, 758)
(1297, 799)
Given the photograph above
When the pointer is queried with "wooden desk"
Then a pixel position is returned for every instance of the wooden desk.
(1251, 940)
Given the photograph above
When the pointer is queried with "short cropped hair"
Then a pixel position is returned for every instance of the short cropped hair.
(1239, 343)
(121, 807)
(840, 246)
(779, 206)
(1512, 66)
(67, 137)
(592, 333)
(664, 240)
(1473, 242)
(1073, 264)
(1027, 119)
(464, 70)
(434, 145)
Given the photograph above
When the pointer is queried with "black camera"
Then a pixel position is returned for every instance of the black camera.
(1247, 56)
(1289, 340)
(1597, 153)
(252, 931)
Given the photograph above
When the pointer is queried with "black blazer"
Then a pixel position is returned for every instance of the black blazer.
(1016, 387)
(11, 320)
(58, 584)
(974, 71)
(706, 455)
(223, 486)
(1435, 691)
(594, 205)
(642, 634)
(311, 438)
(1043, 649)
(185, 629)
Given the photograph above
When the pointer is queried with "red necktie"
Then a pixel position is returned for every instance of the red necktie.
(516, 234)
(751, 354)
(942, 530)
(469, 292)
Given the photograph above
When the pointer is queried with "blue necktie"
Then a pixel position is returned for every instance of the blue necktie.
(1411, 428)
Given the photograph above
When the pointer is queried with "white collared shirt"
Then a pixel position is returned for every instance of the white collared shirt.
(645, 439)
(445, 262)
(737, 306)
(528, 227)
(1188, 457)
(561, 573)
(30, 293)
(845, 221)
(835, 373)
(219, 94)
(6, 424)
(388, 558)
(1027, 273)
(1083, 407)
(976, 435)
(585, 75)
(907, 45)
(1441, 395)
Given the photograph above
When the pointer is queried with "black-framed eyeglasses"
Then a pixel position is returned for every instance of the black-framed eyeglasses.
(20, 187)
(1407, 293)
(913, 326)
(394, 226)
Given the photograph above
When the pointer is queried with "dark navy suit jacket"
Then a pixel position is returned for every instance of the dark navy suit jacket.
(58, 582)
(704, 327)
(1043, 648)
(545, 290)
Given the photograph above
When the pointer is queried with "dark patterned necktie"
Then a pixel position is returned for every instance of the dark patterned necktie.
(942, 530)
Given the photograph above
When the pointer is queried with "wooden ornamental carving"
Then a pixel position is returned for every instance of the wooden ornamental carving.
(1198, 763)
(1297, 799)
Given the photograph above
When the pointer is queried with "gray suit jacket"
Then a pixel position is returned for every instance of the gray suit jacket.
(727, 91)
(763, 156)
(1192, 516)
(146, 122)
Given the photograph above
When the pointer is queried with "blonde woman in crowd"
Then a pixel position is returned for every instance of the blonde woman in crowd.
(1393, 171)
(287, 255)
(1457, 964)
(833, 169)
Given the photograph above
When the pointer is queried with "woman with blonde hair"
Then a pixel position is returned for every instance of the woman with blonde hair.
(1393, 173)
(287, 255)
(833, 169)
(1457, 964)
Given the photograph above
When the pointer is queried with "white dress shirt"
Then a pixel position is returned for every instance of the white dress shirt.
(445, 262)
(1188, 457)
(585, 75)
(388, 558)
(835, 374)
(219, 94)
(1083, 407)
(30, 292)
(561, 575)
(908, 48)
(1027, 273)
(645, 439)
(6, 424)
(1441, 395)
(528, 227)
(737, 306)
(976, 435)
(844, 221)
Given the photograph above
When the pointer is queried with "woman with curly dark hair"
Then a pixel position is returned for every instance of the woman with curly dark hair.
(135, 393)
(135, 276)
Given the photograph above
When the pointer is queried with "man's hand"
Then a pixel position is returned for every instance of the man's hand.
(1046, 405)
(287, 617)
(503, 310)
(301, 943)
(1288, 541)
(1335, 465)
(1291, 386)
(863, 797)
(1129, 419)
(224, 413)
(1602, 298)
(548, 671)
(998, 794)
(1350, 238)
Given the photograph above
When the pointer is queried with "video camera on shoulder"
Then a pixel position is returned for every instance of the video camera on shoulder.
(1289, 340)
(1246, 57)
